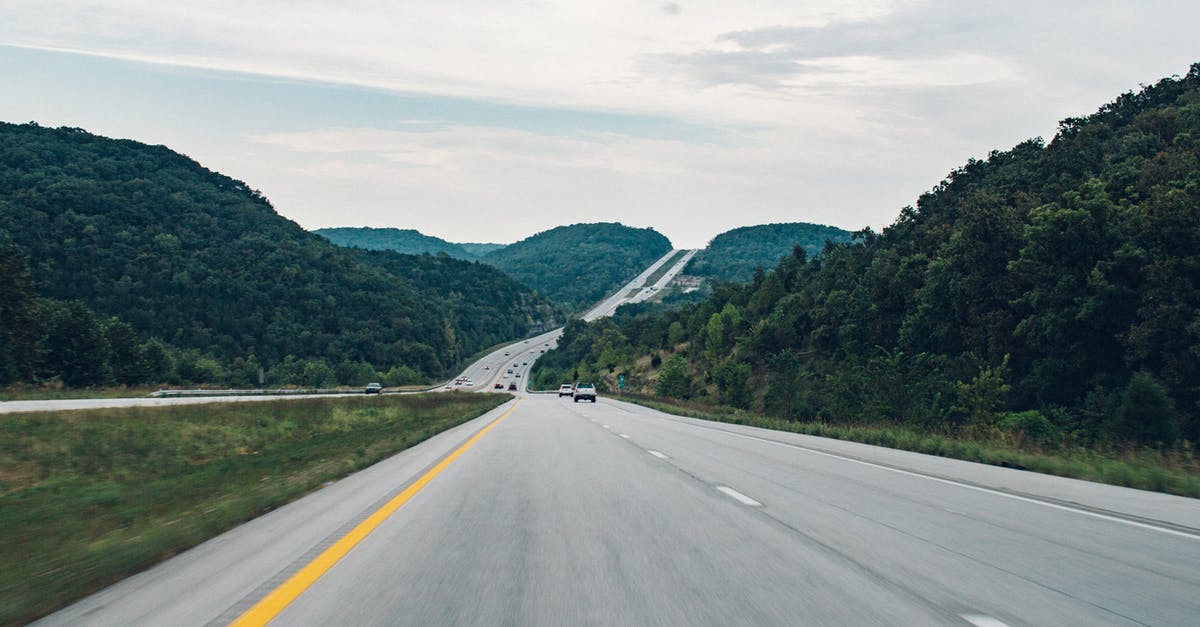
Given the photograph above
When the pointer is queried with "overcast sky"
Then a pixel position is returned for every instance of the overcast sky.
(490, 120)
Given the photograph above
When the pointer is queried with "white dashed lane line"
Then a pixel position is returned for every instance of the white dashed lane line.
(738, 496)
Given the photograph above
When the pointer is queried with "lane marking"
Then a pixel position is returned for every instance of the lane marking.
(658, 455)
(982, 620)
(625, 435)
(271, 605)
(1016, 497)
(738, 496)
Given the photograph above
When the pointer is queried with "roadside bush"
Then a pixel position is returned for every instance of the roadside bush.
(1028, 427)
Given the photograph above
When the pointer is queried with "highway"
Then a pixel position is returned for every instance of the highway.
(495, 367)
(549, 512)
(632, 292)
(612, 514)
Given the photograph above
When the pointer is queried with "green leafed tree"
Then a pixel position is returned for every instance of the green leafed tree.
(673, 380)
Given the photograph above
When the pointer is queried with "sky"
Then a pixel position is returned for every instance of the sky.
(489, 121)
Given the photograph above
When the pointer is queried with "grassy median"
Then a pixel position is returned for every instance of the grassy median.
(89, 497)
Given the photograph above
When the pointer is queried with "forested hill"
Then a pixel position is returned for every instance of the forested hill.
(202, 261)
(406, 241)
(734, 255)
(579, 264)
(1049, 292)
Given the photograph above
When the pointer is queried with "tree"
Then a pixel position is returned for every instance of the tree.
(1147, 415)
(74, 347)
(18, 336)
(125, 354)
(673, 378)
(731, 378)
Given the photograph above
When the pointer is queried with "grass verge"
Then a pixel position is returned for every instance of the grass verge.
(1145, 469)
(90, 497)
(37, 393)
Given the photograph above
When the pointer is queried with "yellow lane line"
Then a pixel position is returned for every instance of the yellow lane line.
(271, 605)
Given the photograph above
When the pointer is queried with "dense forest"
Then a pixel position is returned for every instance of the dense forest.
(1048, 293)
(735, 255)
(579, 264)
(101, 238)
(407, 241)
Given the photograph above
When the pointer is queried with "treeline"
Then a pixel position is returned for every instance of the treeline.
(201, 262)
(577, 265)
(734, 255)
(1049, 294)
(407, 241)
(47, 341)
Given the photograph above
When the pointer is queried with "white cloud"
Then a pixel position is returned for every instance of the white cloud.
(840, 111)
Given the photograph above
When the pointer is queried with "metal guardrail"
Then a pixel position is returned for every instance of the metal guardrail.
(287, 392)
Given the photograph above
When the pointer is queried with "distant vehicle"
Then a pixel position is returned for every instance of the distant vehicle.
(512, 387)
(498, 386)
(373, 388)
(585, 391)
(565, 390)
(518, 375)
(543, 351)
(506, 353)
(525, 363)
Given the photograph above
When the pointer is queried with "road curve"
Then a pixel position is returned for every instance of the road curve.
(574, 513)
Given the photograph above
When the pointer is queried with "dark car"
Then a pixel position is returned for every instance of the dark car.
(512, 387)
(373, 388)
(498, 386)
(585, 391)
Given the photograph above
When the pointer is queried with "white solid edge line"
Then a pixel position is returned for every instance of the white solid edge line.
(657, 454)
(982, 620)
(1017, 497)
(738, 496)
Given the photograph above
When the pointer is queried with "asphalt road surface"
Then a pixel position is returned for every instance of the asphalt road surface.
(612, 514)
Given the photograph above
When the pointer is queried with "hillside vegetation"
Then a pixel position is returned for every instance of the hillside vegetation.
(407, 241)
(126, 263)
(735, 255)
(1048, 296)
(579, 264)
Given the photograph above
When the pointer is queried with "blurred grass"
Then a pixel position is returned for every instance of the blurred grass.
(89, 497)
(1173, 472)
(55, 393)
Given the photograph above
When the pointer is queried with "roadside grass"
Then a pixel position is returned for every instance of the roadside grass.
(56, 393)
(1173, 472)
(16, 393)
(89, 497)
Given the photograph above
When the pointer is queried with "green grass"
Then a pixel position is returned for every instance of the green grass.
(1172, 472)
(38, 393)
(89, 497)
